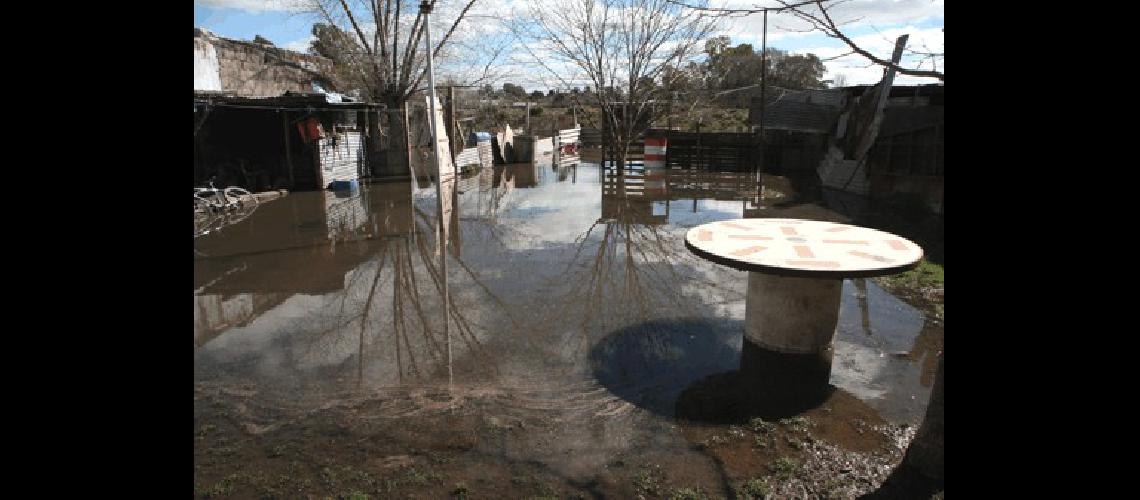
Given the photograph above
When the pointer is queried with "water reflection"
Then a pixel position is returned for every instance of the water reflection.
(578, 319)
(372, 263)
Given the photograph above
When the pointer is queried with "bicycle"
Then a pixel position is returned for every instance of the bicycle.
(212, 200)
(209, 223)
(216, 208)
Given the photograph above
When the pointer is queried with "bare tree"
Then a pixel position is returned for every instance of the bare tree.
(377, 46)
(622, 47)
(382, 42)
(816, 14)
(818, 17)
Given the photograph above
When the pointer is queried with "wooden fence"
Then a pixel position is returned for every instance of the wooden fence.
(721, 151)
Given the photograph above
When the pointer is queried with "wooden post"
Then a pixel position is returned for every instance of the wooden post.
(763, 97)
(700, 153)
(554, 144)
(316, 156)
(408, 137)
(362, 129)
(449, 118)
(288, 149)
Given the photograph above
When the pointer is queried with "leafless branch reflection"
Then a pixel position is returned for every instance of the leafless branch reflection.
(386, 311)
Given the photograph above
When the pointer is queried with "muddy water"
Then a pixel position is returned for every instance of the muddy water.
(581, 331)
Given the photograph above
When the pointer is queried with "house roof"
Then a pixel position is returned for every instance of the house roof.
(288, 100)
(816, 110)
(799, 110)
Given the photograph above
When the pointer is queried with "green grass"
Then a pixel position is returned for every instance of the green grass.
(796, 424)
(412, 477)
(688, 494)
(649, 481)
(758, 425)
(755, 489)
(784, 466)
(926, 275)
(223, 487)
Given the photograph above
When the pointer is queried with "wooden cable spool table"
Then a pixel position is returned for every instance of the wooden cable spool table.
(796, 270)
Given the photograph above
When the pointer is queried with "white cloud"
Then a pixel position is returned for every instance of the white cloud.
(257, 6)
(851, 14)
(301, 45)
(858, 69)
(890, 17)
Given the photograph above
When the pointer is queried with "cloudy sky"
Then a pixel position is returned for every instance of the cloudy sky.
(873, 24)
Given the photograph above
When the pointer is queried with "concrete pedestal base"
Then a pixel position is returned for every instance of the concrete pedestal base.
(789, 327)
(791, 315)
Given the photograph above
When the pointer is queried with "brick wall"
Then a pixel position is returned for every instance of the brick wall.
(255, 70)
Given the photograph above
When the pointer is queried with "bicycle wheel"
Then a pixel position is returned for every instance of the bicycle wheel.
(239, 197)
(209, 199)
(203, 206)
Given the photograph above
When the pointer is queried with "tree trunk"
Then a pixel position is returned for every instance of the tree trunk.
(392, 161)
(926, 452)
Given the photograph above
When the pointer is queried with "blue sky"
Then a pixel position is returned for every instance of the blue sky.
(877, 23)
(281, 28)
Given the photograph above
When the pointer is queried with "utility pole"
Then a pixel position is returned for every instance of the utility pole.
(425, 10)
(763, 104)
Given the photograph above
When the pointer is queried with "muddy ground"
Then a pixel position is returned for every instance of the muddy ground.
(840, 449)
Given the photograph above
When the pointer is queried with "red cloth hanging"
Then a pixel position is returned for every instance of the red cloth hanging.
(310, 129)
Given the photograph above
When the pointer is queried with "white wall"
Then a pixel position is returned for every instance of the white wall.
(207, 73)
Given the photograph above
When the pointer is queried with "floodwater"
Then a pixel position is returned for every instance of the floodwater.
(582, 356)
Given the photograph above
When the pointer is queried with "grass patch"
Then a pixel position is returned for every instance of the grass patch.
(204, 430)
(755, 489)
(688, 494)
(649, 481)
(460, 491)
(784, 466)
(412, 476)
(759, 426)
(796, 424)
(926, 275)
(223, 487)
(763, 441)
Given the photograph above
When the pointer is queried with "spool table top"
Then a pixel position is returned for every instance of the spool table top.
(803, 248)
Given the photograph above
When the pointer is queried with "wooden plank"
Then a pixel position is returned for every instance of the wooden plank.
(288, 149)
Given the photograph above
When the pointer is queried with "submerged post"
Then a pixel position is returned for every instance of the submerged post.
(425, 10)
(408, 139)
(288, 150)
(763, 96)
(452, 125)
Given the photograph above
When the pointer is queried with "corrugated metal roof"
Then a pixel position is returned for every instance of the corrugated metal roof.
(799, 110)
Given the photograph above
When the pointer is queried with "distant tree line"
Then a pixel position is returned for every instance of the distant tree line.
(731, 76)
(728, 75)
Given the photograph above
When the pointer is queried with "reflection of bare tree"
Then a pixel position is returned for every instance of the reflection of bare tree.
(492, 196)
(623, 267)
(392, 301)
